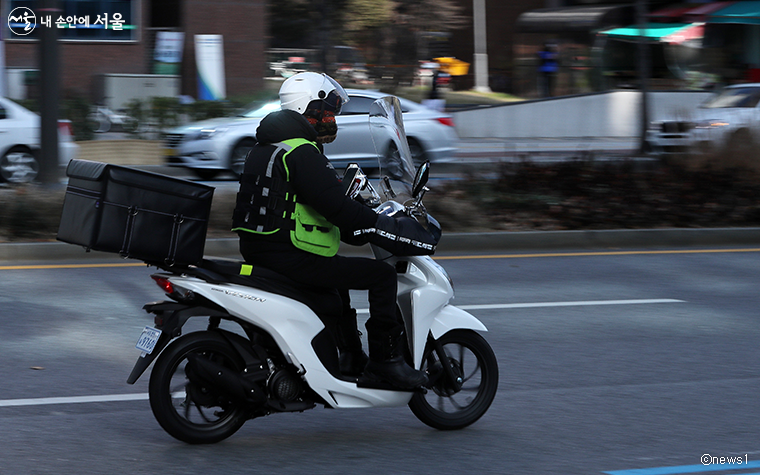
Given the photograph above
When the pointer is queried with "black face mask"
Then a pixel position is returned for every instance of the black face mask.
(325, 126)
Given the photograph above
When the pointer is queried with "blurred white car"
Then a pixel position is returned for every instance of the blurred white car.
(20, 143)
(730, 119)
(216, 145)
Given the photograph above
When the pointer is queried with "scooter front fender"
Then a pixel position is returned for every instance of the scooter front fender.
(454, 318)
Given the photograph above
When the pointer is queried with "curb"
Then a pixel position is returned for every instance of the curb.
(454, 242)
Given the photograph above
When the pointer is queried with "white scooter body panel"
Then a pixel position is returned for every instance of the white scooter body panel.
(424, 293)
(293, 326)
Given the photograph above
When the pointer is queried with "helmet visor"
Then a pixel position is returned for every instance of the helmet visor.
(337, 96)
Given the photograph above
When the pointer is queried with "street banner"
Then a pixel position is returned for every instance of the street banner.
(209, 58)
(167, 57)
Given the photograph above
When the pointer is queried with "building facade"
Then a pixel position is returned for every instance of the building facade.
(88, 51)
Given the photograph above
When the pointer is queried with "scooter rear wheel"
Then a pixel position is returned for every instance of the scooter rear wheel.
(454, 404)
(189, 411)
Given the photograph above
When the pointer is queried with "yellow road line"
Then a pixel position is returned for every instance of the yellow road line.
(598, 253)
(70, 266)
(438, 258)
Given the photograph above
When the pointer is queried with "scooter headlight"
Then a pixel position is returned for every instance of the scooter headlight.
(442, 271)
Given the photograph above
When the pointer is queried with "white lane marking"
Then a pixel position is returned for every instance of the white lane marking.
(557, 304)
(144, 397)
(72, 400)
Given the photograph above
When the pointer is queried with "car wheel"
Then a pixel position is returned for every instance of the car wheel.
(206, 174)
(98, 123)
(418, 152)
(239, 154)
(19, 165)
(741, 145)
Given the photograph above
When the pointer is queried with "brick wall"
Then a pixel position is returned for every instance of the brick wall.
(243, 24)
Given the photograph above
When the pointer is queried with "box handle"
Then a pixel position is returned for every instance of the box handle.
(174, 241)
(131, 213)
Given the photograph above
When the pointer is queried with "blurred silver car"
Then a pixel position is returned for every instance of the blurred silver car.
(730, 119)
(216, 145)
(20, 143)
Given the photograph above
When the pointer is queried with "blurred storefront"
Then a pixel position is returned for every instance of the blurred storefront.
(732, 41)
(571, 31)
(674, 51)
(690, 45)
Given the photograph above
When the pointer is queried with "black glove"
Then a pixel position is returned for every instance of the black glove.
(401, 236)
(352, 239)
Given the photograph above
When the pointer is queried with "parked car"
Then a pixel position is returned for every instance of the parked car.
(20, 143)
(216, 145)
(728, 120)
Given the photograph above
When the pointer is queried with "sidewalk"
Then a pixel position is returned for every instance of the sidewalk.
(479, 243)
(131, 152)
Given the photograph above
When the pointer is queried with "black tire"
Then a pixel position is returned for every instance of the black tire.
(741, 146)
(98, 123)
(239, 154)
(393, 168)
(189, 420)
(419, 156)
(206, 173)
(19, 165)
(450, 407)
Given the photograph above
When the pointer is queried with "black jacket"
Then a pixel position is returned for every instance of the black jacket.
(311, 175)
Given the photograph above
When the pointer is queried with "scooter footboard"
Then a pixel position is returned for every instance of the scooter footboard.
(453, 318)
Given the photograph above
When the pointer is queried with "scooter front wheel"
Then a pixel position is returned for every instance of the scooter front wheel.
(191, 411)
(463, 392)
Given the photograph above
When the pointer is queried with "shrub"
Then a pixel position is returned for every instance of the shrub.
(76, 109)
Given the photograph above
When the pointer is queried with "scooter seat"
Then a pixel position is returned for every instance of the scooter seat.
(324, 301)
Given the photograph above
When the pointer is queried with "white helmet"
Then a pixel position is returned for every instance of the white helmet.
(299, 90)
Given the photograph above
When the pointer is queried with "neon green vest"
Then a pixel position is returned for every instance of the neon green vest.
(309, 230)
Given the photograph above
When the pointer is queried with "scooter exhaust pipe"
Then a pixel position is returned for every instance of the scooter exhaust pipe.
(204, 372)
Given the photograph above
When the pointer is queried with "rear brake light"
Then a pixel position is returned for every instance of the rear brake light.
(446, 121)
(65, 127)
(164, 283)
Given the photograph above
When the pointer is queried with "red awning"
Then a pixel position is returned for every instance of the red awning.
(671, 14)
(693, 32)
(700, 13)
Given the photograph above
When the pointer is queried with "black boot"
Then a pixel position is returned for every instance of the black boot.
(387, 364)
(353, 359)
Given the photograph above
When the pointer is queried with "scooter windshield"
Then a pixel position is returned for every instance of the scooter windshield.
(386, 126)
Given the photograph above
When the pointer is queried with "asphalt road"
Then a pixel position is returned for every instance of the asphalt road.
(609, 361)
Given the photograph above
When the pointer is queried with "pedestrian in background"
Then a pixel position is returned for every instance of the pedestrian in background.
(548, 66)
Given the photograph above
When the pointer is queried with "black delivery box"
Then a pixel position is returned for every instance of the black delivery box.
(138, 214)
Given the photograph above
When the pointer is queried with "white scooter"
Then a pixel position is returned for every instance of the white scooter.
(281, 358)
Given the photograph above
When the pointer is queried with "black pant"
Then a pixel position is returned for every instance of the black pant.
(337, 272)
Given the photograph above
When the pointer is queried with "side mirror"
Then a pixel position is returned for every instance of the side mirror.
(349, 176)
(421, 179)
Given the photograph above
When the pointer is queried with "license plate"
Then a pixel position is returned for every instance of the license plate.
(148, 339)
